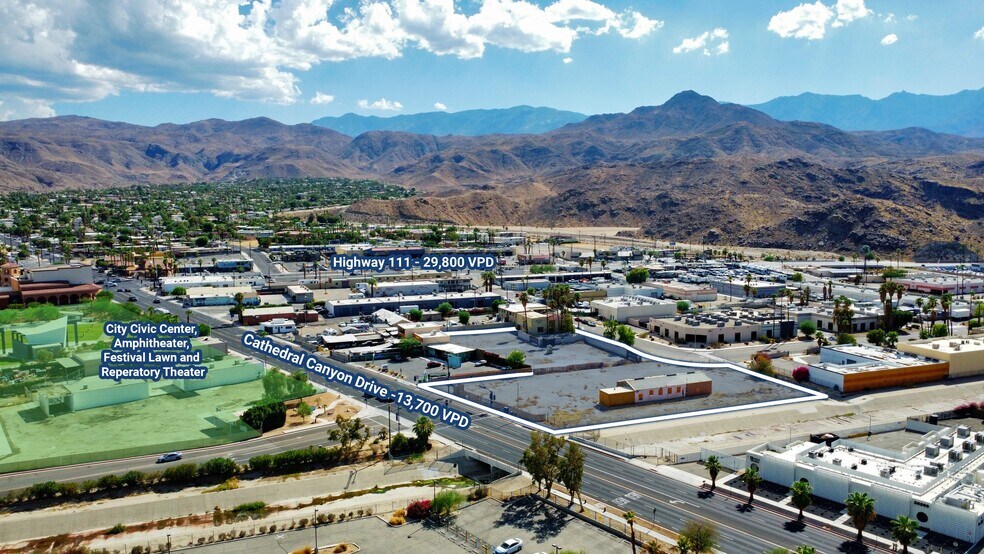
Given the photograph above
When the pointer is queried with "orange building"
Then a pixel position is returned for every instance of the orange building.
(849, 368)
(656, 389)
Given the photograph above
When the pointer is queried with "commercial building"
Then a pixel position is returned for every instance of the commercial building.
(656, 389)
(723, 328)
(210, 296)
(366, 306)
(864, 318)
(256, 316)
(299, 294)
(849, 368)
(757, 289)
(396, 288)
(168, 284)
(227, 371)
(937, 480)
(279, 326)
(513, 312)
(687, 291)
(621, 308)
(58, 284)
(559, 277)
(965, 355)
(29, 340)
(939, 285)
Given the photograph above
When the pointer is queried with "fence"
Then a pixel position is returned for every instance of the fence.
(728, 461)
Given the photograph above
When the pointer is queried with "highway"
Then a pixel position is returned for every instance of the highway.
(612, 480)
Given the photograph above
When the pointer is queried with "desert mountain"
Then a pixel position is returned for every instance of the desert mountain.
(960, 114)
(509, 121)
(690, 169)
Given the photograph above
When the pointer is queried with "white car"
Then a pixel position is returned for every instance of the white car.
(510, 546)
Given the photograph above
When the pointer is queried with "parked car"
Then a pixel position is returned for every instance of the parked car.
(169, 457)
(480, 363)
(432, 363)
(157, 301)
(510, 546)
(132, 299)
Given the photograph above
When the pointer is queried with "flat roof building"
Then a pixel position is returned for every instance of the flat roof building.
(621, 308)
(688, 291)
(964, 355)
(365, 306)
(850, 368)
(211, 296)
(722, 328)
(937, 480)
(655, 389)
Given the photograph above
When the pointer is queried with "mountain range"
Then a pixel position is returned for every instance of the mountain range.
(515, 120)
(691, 169)
(960, 114)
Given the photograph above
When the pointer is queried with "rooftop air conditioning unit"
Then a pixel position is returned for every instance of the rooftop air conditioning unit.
(979, 438)
(963, 431)
(931, 470)
(969, 446)
(955, 456)
(932, 451)
(837, 461)
(946, 442)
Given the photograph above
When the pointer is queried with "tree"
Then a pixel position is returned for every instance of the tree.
(637, 275)
(351, 434)
(179, 291)
(861, 509)
(682, 306)
(630, 519)
(542, 459)
(713, 467)
(187, 316)
(626, 335)
(463, 317)
(876, 337)
(752, 481)
(524, 299)
(488, 279)
(238, 298)
(516, 358)
(802, 496)
(444, 308)
(446, 502)
(415, 315)
(979, 313)
(796, 277)
(408, 346)
(808, 328)
(611, 328)
(304, 409)
(939, 330)
(702, 536)
(372, 282)
(572, 472)
(423, 428)
(683, 544)
(904, 530)
(891, 339)
(946, 302)
(804, 549)
(653, 547)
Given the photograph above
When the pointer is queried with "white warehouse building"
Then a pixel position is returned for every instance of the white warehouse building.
(937, 481)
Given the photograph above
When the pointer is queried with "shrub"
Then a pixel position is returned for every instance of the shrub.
(133, 478)
(801, 374)
(330, 518)
(761, 363)
(400, 443)
(396, 520)
(266, 417)
(478, 494)
(846, 338)
(109, 482)
(446, 501)
(181, 474)
(808, 328)
(341, 548)
(303, 522)
(249, 507)
(116, 529)
(218, 469)
(418, 509)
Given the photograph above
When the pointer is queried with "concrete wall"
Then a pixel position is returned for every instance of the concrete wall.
(223, 373)
(119, 393)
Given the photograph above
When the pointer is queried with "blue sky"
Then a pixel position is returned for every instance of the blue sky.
(147, 62)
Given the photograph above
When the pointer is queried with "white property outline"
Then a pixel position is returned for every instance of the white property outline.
(430, 387)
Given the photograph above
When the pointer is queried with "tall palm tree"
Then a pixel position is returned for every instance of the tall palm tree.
(488, 279)
(524, 299)
(802, 498)
(930, 308)
(904, 530)
(752, 482)
(865, 254)
(861, 509)
(630, 519)
(683, 544)
(713, 467)
(946, 301)
(919, 306)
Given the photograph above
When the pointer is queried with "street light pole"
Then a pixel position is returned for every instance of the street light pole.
(315, 530)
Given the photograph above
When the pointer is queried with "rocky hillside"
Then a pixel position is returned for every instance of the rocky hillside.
(691, 169)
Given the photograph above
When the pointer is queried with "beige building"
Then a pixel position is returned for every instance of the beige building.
(965, 355)
(622, 308)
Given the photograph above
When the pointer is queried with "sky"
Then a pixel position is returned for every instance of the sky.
(156, 61)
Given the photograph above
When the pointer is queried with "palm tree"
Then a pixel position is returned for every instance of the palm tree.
(945, 302)
(630, 519)
(804, 549)
(488, 279)
(372, 282)
(904, 531)
(919, 306)
(865, 254)
(713, 467)
(752, 481)
(423, 428)
(683, 544)
(801, 495)
(861, 509)
(524, 299)
(653, 547)
(930, 308)
(187, 316)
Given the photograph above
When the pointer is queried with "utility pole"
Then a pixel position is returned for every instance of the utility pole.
(316, 530)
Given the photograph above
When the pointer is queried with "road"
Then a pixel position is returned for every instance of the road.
(652, 496)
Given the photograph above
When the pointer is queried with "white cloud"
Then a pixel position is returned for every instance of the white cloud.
(85, 50)
(568, 60)
(710, 42)
(911, 17)
(382, 104)
(440, 106)
(979, 35)
(810, 21)
(849, 10)
(889, 39)
(18, 108)
(807, 21)
(322, 98)
(889, 18)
